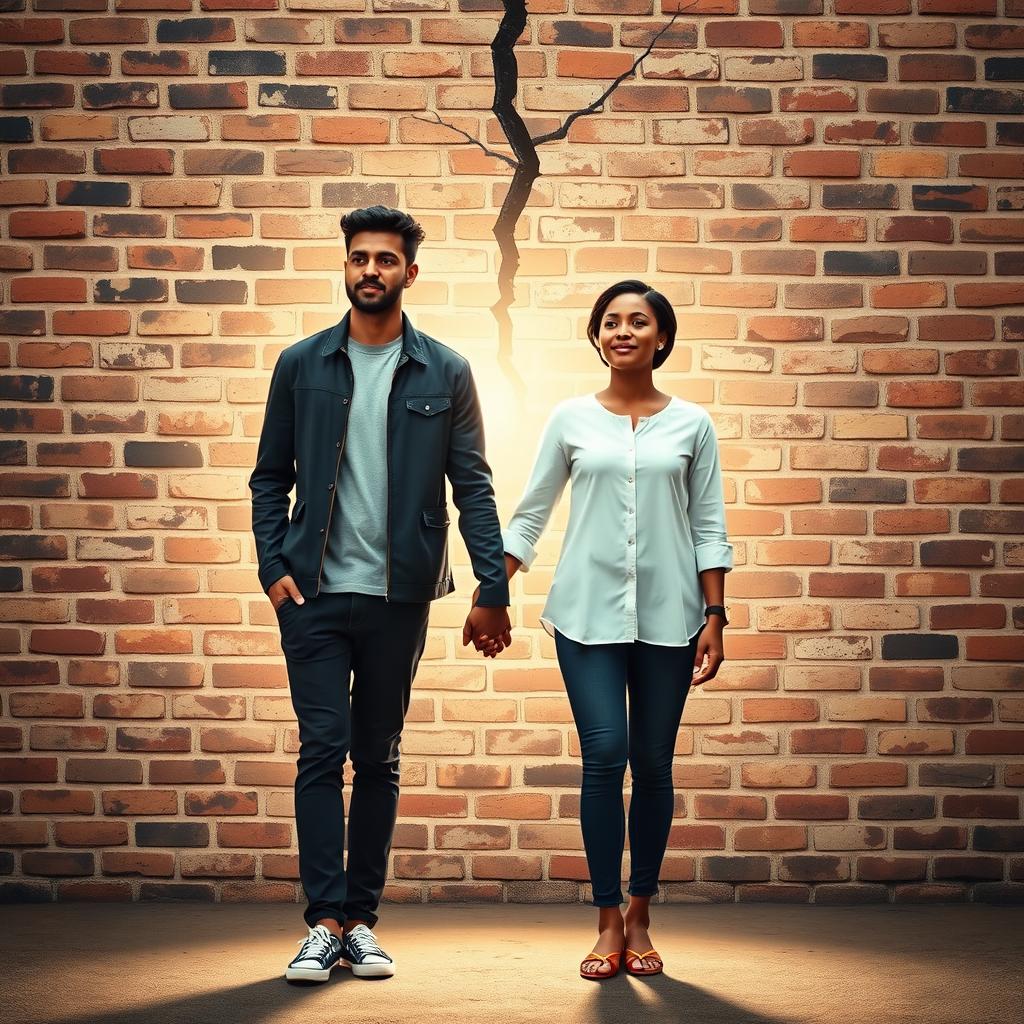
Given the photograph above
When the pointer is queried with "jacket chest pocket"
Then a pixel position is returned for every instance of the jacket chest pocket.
(430, 405)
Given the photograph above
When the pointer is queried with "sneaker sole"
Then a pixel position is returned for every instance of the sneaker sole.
(370, 970)
(307, 973)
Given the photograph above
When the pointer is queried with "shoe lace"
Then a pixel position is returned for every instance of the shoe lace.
(318, 941)
(364, 941)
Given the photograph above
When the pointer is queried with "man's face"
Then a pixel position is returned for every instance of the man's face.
(376, 271)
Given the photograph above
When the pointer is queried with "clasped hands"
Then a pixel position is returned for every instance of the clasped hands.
(489, 629)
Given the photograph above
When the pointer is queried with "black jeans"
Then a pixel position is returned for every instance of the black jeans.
(597, 679)
(351, 660)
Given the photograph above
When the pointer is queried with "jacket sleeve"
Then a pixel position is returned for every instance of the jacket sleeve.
(547, 481)
(274, 476)
(706, 507)
(473, 492)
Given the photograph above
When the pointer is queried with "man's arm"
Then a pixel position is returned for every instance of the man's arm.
(473, 493)
(273, 477)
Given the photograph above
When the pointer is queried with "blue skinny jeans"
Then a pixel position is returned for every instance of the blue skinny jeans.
(598, 678)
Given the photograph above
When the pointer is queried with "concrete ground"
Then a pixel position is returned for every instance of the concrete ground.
(725, 964)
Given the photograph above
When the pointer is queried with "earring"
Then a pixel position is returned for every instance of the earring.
(660, 347)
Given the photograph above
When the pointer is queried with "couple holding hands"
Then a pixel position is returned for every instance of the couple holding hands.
(365, 420)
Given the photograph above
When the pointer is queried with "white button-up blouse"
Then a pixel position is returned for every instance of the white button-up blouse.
(646, 516)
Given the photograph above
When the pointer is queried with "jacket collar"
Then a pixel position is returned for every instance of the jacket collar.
(412, 344)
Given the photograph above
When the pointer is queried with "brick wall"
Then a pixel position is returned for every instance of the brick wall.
(830, 193)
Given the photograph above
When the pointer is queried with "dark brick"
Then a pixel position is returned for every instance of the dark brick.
(847, 263)
(45, 160)
(948, 133)
(1004, 69)
(213, 292)
(26, 388)
(903, 101)
(172, 833)
(956, 775)
(248, 257)
(993, 459)
(860, 197)
(351, 195)
(223, 161)
(129, 225)
(999, 838)
(37, 94)
(1009, 264)
(1010, 133)
(11, 579)
(733, 99)
(939, 837)
(109, 95)
(576, 33)
(299, 97)
(134, 289)
(225, 95)
(195, 30)
(736, 868)
(963, 263)
(173, 892)
(13, 453)
(15, 129)
(850, 67)
(94, 193)
(936, 67)
(848, 394)
(982, 520)
(965, 100)
(80, 257)
(162, 454)
(919, 646)
(563, 776)
(51, 863)
(967, 868)
(958, 552)
(881, 489)
(25, 322)
(156, 62)
(958, 198)
(247, 62)
(892, 808)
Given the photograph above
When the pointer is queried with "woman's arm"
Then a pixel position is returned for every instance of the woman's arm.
(544, 487)
(710, 646)
(706, 510)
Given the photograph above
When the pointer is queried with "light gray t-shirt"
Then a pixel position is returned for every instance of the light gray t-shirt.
(356, 560)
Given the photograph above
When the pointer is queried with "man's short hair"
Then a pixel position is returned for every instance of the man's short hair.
(384, 218)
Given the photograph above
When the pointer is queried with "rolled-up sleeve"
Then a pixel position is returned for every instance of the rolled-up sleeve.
(546, 483)
(706, 506)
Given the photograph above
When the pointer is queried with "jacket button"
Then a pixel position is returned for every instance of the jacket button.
(321, 531)
(330, 487)
(426, 408)
(344, 401)
(337, 444)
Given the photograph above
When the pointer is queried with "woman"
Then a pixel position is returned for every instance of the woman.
(636, 604)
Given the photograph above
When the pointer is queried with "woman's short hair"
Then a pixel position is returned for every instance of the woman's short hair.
(384, 218)
(664, 314)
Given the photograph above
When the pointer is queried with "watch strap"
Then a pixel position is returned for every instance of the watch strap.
(716, 609)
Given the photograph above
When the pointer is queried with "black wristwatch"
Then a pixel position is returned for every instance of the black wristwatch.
(716, 609)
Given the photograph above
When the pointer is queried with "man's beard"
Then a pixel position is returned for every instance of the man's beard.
(374, 302)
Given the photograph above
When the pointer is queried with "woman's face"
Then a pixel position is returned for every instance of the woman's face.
(629, 335)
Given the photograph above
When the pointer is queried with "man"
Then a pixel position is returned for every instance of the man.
(366, 419)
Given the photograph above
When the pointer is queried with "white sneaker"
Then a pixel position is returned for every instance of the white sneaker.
(362, 954)
(321, 950)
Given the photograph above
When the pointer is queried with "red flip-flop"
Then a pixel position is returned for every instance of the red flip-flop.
(607, 958)
(633, 957)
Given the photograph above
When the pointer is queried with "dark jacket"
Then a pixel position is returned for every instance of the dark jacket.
(434, 429)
